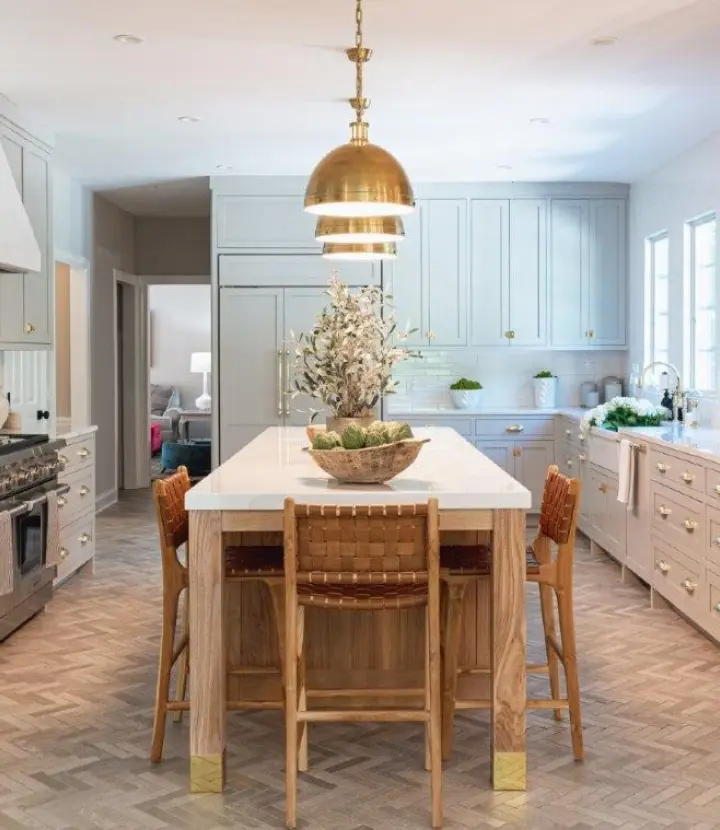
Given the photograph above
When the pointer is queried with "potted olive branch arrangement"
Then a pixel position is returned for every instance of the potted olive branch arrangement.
(346, 362)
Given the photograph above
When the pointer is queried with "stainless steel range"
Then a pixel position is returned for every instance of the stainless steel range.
(29, 467)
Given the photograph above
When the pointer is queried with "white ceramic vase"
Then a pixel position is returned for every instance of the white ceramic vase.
(545, 392)
(466, 398)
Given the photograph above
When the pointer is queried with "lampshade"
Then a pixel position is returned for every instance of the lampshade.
(201, 362)
(367, 230)
(364, 253)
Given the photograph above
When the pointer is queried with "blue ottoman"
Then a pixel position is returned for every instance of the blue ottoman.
(195, 455)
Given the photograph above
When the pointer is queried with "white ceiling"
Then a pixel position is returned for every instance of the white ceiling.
(453, 84)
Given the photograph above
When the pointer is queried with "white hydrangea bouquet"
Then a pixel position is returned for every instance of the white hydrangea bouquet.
(623, 412)
(347, 360)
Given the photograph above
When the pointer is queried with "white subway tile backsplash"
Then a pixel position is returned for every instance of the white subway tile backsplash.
(506, 374)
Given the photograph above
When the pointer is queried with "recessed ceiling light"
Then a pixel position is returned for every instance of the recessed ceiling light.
(224, 167)
(503, 167)
(605, 40)
(188, 119)
(130, 40)
(540, 122)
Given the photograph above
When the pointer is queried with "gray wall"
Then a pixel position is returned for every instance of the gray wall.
(172, 246)
(113, 248)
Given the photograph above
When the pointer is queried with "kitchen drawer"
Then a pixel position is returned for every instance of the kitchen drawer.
(679, 579)
(77, 455)
(567, 460)
(712, 484)
(77, 545)
(461, 425)
(712, 551)
(516, 427)
(679, 520)
(711, 617)
(678, 473)
(80, 498)
(569, 430)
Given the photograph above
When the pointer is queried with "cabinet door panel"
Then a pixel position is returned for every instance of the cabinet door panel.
(264, 223)
(568, 271)
(639, 556)
(302, 306)
(11, 285)
(528, 271)
(37, 287)
(532, 458)
(606, 284)
(251, 334)
(446, 271)
(500, 453)
(405, 279)
(489, 271)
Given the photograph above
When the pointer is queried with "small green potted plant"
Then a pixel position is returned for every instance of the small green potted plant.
(545, 387)
(466, 394)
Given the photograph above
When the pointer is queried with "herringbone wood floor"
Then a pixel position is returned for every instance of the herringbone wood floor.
(77, 685)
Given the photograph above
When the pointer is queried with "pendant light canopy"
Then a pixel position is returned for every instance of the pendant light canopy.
(366, 253)
(367, 230)
(359, 179)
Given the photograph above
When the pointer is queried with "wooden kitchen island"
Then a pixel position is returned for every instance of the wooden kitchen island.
(243, 500)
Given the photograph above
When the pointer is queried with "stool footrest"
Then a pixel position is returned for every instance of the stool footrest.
(366, 716)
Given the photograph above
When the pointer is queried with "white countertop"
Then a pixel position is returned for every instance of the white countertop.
(73, 433)
(274, 466)
(479, 412)
(698, 441)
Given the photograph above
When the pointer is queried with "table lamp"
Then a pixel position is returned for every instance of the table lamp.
(201, 363)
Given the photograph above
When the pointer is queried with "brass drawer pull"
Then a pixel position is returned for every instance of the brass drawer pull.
(568, 461)
(717, 489)
(84, 538)
(688, 478)
(64, 553)
(63, 459)
(84, 452)
(61, 502)
(716, 541)
(717, 607)
(582, 457)
(689, 586)
(29, 328)
(662, 468)
(602, 488)
(568, 432)
(663, 567)
(664, 511)
(84, 490)
(514, 428)
(690, 525)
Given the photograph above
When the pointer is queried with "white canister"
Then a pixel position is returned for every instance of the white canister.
(613, 389)
(592, 399)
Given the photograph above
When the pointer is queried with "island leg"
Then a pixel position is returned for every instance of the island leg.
(509, 759)
(207, 653)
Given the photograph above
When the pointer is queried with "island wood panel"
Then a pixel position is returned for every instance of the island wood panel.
(386, 647)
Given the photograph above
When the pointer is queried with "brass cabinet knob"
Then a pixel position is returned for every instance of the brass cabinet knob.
(690, 525)
(717, 489)
(663, 567)
(717, 607)
(568, 461)
(63, 459)
(602, 488)
(430, 335)
(582, 457)
(64, 553)
(716, 541)
(689, 586)
(84, 452)
(664, 511)
(84, 490)
(688, 478)
(29, 328)
(61, 502)
(568, 432)
(662, 468)
(84, 538)
(517, 452)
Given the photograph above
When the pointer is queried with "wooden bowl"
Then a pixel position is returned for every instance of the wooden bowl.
(370, 465)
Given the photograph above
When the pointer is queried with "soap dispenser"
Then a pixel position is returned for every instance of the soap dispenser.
(667, 402)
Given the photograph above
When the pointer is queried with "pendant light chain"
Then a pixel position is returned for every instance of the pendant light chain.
(359, 58)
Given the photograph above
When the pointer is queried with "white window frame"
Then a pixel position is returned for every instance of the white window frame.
(691, 227)
(651, 292)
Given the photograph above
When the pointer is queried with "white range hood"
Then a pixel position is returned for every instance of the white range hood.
(19, 250)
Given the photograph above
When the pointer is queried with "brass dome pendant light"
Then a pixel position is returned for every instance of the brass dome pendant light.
(359, 179)
(356, 251)
(365, 230)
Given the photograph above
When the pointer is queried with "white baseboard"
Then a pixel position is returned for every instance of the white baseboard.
(106, 499)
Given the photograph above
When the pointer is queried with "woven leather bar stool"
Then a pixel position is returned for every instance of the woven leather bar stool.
(361, 559)
(263, 564)
(460, 565)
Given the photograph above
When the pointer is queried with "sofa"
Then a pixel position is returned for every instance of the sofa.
(164, 404)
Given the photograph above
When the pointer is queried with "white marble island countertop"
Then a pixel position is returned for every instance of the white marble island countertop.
(275, 465)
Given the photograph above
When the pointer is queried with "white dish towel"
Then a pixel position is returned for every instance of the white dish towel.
(626, 473)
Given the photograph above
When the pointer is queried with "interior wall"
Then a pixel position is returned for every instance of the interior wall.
(664, 201)
(168, 246)
(180, 324)
(113, 248)
(62, 341)
(72, 217)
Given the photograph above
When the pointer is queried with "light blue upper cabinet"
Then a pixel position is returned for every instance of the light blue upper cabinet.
(429, 278)
(607, 280)
(588, 251)
(264, 223)
(508, 272)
